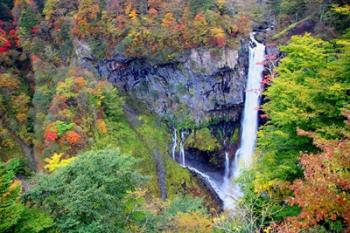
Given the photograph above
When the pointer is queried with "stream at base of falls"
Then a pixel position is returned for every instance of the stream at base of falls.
(222, 182)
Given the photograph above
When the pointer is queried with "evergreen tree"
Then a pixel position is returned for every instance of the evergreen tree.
(91, 194)
(14, 216)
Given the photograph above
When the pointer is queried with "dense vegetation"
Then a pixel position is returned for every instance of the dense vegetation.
(77, 155)
(166, 28)
(300, 180)
(56, 116)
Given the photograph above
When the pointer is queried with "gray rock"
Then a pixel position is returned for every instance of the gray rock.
(206, 84)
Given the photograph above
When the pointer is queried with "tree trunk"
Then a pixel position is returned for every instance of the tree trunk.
(161, 175)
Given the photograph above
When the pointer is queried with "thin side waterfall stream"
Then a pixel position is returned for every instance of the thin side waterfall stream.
(173, 151)
(182, 149)
(224, 185)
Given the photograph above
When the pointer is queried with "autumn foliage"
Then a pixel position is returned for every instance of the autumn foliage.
(51, 135)
(8, 39)
(72, 137)
(324, 193)
(165, 28)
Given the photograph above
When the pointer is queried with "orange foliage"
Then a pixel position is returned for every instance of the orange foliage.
(101, 126)
(133, 15)
(84, 19)
(168, 20)
(80, 82)
(324, 194)
(72, 137)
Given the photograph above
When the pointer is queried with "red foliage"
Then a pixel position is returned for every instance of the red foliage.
(220, 42)
(266, 80)
(51, 135)
(13, 33)
(35, 29)
(35, 58)
(6, 40)
(152, 12)
(5, 45)
(199, 17)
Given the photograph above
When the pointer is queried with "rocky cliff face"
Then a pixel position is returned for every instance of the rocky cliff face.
(203, 85)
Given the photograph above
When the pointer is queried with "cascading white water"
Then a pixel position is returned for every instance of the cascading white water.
(251, 107)
(244, 155)
(227, 166)
(229, 192)
(173, 152)
(182, 149)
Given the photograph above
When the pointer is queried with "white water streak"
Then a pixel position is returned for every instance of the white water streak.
(244, 155)
(173, 152)
(251, 108)
(227, 165)
(182, 149)
(228, 191)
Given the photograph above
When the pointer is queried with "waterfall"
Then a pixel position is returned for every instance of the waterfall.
(251, 107)
(244, 155)
(227, 166)
(182, 149)
(173, 152)
(227, 191)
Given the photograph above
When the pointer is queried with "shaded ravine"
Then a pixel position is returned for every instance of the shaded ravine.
(222, 182)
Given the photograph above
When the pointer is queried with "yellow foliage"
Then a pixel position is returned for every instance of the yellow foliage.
(8, 82)
(193, 223)
(133, 15)
(217, 32)
(221, 4)
(343, 10)
(267, 229)
(56, 162)
(21, 117)
(20, 104)
(15, 184)
(49, 9)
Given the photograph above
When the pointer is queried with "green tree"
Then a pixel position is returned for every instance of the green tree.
(14, 216)
(91, 194)
(309, 93)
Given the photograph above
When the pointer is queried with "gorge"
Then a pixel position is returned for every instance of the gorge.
(190, 116)
(224, 185)
(206, 89)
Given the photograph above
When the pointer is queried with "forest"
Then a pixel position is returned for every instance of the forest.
(121, 116)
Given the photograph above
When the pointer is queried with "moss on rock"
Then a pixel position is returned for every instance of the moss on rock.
(202, 140)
